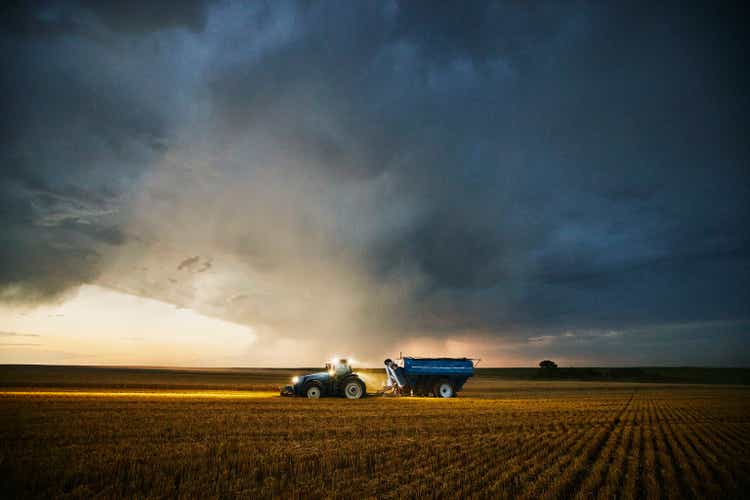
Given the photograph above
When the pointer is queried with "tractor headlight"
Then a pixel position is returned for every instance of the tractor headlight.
(295, 380)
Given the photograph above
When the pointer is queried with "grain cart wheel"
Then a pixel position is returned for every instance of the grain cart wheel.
(444, 389)
(354, 389)
(313, 391)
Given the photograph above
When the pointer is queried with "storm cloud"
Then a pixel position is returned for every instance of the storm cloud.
(534, 180)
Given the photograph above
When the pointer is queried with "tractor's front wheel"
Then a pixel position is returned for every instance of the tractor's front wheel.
(354, 389)
(313, 392)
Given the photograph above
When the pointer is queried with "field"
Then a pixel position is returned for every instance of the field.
(141, 433)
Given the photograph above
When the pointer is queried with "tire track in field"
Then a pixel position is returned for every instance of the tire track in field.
(478, 459)
(637, 482)
(696, 415)
(734, 433)
(516, 474)
(677, 455)
(697, 478)
(650, 484)
(599, 471)
(425, 471)
(552, 466)
(511, 474)
(544, 469)
(724, 439)
(618, 461)
(665, 458)
(532, 454)
(707, 478)
(580, 476)
(484, 464)
(714, 453)
(624, 460)
(629, 486)
(528, 454)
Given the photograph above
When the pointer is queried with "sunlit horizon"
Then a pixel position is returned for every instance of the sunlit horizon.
(98, 326)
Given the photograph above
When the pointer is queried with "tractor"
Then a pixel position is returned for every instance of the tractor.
(338, 379)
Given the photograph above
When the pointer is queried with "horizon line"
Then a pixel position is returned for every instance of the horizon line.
(299, 367)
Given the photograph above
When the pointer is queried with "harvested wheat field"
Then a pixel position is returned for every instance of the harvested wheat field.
(499, 439)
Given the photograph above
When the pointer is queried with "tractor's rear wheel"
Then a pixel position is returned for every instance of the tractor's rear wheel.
(313, 392)
(354, 389)
(444, 389)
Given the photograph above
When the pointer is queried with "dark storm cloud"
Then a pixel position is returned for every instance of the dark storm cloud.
(143, 15)
(86, 112)
(573, 162)
(51, 18)
(561, 169)
(481, 30)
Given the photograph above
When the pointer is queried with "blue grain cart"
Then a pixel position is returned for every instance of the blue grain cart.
(439, 377)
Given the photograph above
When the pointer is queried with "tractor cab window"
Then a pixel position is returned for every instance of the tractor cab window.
(341, 367)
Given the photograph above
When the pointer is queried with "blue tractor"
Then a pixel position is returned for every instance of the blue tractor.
(337, 380)
(438, 377)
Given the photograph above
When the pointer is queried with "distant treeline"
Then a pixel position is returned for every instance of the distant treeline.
(685, 375)
(271, 378)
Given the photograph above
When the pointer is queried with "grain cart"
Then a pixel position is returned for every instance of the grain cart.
(439, 377)
(338, 380)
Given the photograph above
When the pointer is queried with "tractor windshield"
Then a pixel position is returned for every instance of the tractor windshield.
(341, 367)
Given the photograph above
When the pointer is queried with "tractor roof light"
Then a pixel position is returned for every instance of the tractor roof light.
(345, 361)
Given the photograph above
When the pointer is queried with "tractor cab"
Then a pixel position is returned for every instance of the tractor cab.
(339, 367)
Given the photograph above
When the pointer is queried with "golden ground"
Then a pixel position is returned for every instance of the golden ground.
(499, 439)
(142, 394)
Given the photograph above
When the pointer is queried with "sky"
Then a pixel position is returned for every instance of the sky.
(274, 183)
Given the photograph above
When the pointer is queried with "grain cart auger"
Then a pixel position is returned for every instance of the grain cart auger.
(439, 377)
(338, 380)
